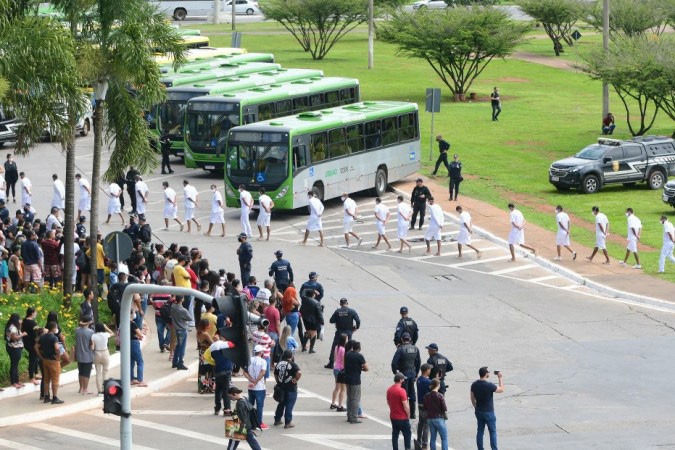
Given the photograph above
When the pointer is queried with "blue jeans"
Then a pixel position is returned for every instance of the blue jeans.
(437, 426)
(292, 319)
(269, 364)
(489, 419)
(250, 440)
(163, 333)
(179, 351)
(136, 359)
(257, 399)
(285, 407)
(397, 427)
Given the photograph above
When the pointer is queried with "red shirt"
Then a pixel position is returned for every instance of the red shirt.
(50, 249)
(272, 314)
(193, 277)
(396, 395)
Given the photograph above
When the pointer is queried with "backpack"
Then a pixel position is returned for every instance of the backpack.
(81, 260)
(252, 415)
(165, 312)
(277, 353)
(145, 234)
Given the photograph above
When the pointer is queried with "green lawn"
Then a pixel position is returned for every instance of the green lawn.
(547, 114)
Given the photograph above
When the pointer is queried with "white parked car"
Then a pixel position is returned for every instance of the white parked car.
(431, 4)
(247, 7)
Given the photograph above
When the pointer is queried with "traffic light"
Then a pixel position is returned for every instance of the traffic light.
(112, 397)
(235, 307)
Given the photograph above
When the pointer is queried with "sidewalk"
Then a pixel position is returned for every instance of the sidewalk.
(22, 406)
(493, 224)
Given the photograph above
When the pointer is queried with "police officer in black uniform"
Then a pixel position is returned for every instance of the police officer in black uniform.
(455, 176)
(418, 200)
(312, 316)
(131, 186)
(165, 144)
(440, 365)
(407, 360)
(346, 321)
(406, 325)
(314, 285)
(245, 255)
(282, 271)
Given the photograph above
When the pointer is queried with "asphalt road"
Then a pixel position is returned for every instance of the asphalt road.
(581, 370)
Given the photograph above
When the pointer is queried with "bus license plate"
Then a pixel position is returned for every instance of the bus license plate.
(555, 178)
(210, 167)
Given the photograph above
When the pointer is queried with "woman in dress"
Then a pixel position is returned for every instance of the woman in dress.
(205, 381)
(14, 346)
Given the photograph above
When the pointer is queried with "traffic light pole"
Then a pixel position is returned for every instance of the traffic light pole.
(125, 346)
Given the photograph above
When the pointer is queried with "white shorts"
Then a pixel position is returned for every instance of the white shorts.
(189, 213)
(217, 217)
(632, 245)
(85, 204)
(314, 224)
(140, 207)
(170, 211)
(562, 238)
(464, 237)
(402, 230)
(264, 218)
(347, 226)
(516, 237)
(114, 206)
(600, 239)
(433, 233)
(381, 228)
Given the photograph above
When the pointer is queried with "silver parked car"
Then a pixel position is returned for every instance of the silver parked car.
(431, 4)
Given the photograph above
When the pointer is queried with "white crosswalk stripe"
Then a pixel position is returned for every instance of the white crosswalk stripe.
(85, 436)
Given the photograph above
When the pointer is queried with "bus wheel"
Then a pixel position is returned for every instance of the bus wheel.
(380, 182)
(180, 14)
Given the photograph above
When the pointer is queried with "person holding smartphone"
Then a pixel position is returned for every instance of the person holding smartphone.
(481, 399)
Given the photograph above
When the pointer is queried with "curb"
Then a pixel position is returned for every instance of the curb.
(567, 273)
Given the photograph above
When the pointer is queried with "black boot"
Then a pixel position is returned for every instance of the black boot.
(312, 341)
(412, 409)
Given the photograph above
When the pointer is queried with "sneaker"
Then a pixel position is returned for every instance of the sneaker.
(333, 406)
(355, 421)
(289, 425)
(56, 401)
(278, 422)
(328, 366)
(264, 426)
(47, 399)
(181, 367)
(637, 266)
(622, 264)
(341, 409)
(574, 256)
(311, 350)
(557, 258)
(360, 241)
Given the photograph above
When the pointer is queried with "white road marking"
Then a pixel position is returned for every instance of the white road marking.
(16, 445)
(270, 413)
(327, 400)
(85, 436)
(513, 269)
(480, 261)
(195, 394)
(570, 287)
(540, 279)
(334, 441)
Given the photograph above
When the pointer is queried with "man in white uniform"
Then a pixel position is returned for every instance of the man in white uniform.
(170, 206)
(114, 205)
(217, 211)
(465, 232)
(59, 196)
(26, 189)
(381, 217)
(562, 238)
(85, 195)
(246, 200)
(349, 210)
(142, 194)
(668, 244)
(517, 234)
(404, 213)
(3, 186)
(265, 213)
(601, 233)
(634, 231)
(436, 221)
(191, 198)
(314, 222)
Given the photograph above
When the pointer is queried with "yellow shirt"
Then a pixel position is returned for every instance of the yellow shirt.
(181, 277)
(100, 256)
(213, 320)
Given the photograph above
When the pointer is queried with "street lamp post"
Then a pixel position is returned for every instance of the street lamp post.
(605, 48)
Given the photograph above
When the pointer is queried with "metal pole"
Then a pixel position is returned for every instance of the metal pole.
(216, 12)
(371, 50)
(125, 346)
(234, 3)
(605, 47)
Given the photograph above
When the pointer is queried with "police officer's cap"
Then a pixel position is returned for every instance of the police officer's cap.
(432, 347)
(406, 336)
(404, 310)
(343, 301)
(279, 253)
(313, 274)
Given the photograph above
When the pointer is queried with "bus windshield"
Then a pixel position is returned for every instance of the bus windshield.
(258, 158)
(209, 123)
(172, 114)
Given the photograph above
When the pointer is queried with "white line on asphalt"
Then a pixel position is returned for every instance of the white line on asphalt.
(327, 400)
(17, 445)
(195, 394)
(513, 269)
(269, 413)
(479, 261)
(538, 280)
(570, 287)
(85, 436)
(334, 441)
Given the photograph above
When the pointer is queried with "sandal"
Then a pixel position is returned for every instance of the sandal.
(341, 409)
(333, 406)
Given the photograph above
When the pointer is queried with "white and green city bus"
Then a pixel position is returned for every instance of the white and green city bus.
(210, 117)
(195, 75)
(171, 113)
(213, 62)
(345, 149)
(202, 52)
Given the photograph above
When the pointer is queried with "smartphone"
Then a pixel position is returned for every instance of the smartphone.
(496, 372)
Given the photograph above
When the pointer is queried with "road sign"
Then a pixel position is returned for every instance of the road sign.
(117, 246)
(433, 100)
(576, 35)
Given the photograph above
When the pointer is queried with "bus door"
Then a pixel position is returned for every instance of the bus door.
(302, 174)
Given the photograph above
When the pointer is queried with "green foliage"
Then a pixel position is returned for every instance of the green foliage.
(458, 43)
(631, 18)
(640, 70)
(317, 25)
(557, 17)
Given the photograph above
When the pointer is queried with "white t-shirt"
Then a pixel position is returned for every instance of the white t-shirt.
(668, 229)
(85, 188)
(436, 216)
(315, 207)
(265, 201)
(601, 219)
(465, 220)
(517, 218)
(633, 222)
(563, 218)
(115, 190)
(215, 205)
(246, 199)
(349, 207)
(190, 193)
(59, 195)
(381, 212)
(100, 340)
(142, 188)
(170, 196)
(403, 212)
(255, 367)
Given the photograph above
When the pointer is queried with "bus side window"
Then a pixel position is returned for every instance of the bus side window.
(389, 131)
(249, 118)
(316, 101)
(300, 104)
(407, 127)
(373, 139)
(347, 96)
(355, 138)
(318, 147)
(299, 156)
(338, 147)
(332, 99)
(265, 111)
(282, 108)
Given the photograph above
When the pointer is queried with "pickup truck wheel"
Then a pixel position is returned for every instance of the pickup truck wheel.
(656, 180)
(562, 188)
(590, 184)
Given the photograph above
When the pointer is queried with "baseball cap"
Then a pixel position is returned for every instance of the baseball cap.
(343, 301)
(313, 274)
(279, 253)
(419, 179)
(258, 349)
(404, 310)
(264, 294)
(399, 376)
(432, 347)
(406, 336)
(141, 217)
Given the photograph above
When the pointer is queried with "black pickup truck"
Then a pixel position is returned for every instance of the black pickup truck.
(649, 159)
(669, 193)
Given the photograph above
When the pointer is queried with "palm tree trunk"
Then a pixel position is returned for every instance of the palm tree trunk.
(69, 225)
(95, 177)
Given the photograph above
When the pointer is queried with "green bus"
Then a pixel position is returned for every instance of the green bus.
(344, 149)
(210, 117)
(195, 75)
(213, 62)
(171, 114)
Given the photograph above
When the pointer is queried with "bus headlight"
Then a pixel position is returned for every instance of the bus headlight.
(282, 193)
(228, 191)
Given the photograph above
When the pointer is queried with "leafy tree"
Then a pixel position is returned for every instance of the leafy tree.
(631, 18)
(642, 72)
(317, 25)
(557, 17)
(458, 43)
